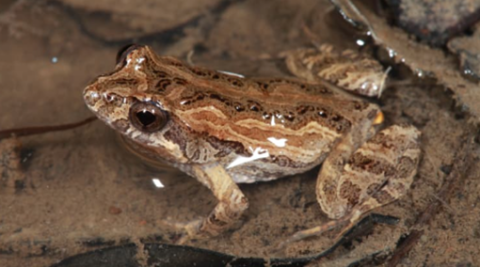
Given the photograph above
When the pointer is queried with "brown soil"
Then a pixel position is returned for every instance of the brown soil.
(78, 190)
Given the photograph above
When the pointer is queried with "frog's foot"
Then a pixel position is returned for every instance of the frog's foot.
(219, 220)
(316, 231)
(187, 230)
(232, 203)
(345, 225)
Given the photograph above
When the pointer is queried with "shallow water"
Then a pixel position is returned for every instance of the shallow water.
(82, 189)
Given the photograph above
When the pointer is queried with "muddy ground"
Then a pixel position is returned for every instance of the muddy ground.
(79, 190)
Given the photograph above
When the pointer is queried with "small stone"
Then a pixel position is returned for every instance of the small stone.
(435, 21)
(114, 210)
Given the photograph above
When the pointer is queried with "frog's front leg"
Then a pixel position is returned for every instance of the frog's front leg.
(377, 173)
(232, 203)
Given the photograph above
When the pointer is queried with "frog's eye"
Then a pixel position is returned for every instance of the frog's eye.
(147, 117)
(123, 53)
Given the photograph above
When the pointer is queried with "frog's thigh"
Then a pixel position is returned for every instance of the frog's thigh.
(379, 172)
(385, 167)
(232, 203)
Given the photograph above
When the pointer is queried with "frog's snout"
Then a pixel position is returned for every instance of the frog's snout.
(91, 97)
(95, 99)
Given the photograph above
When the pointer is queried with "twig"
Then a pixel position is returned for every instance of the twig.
(43, 129)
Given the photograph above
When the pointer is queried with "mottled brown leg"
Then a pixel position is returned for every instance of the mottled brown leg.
(327, 182)
(232, 203)
(348, 70)
(379, 172)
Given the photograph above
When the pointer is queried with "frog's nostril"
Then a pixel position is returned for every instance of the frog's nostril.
(113, 99)
(109, 97)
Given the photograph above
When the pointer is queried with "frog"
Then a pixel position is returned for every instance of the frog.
(224, 130)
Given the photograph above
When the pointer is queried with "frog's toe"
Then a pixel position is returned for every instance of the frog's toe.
(315, 231)
(187, 230)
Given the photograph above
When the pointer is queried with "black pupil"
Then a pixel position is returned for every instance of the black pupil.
(146, 118)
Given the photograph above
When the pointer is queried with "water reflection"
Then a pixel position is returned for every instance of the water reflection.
(157, 183)
(278, 142)
(258, 153)
(360, 42)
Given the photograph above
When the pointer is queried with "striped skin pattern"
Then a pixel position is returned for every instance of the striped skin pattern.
(349, 70)
(223, 130)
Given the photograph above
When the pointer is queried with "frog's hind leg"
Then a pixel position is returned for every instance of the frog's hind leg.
(390, 160)
(377, 173)
(232, 203)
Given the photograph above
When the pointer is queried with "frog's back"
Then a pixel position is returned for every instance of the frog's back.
(259, 129)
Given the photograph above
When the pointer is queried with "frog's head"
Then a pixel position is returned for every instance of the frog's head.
(124, 100)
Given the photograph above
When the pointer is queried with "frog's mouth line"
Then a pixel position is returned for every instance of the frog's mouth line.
(157, 164)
